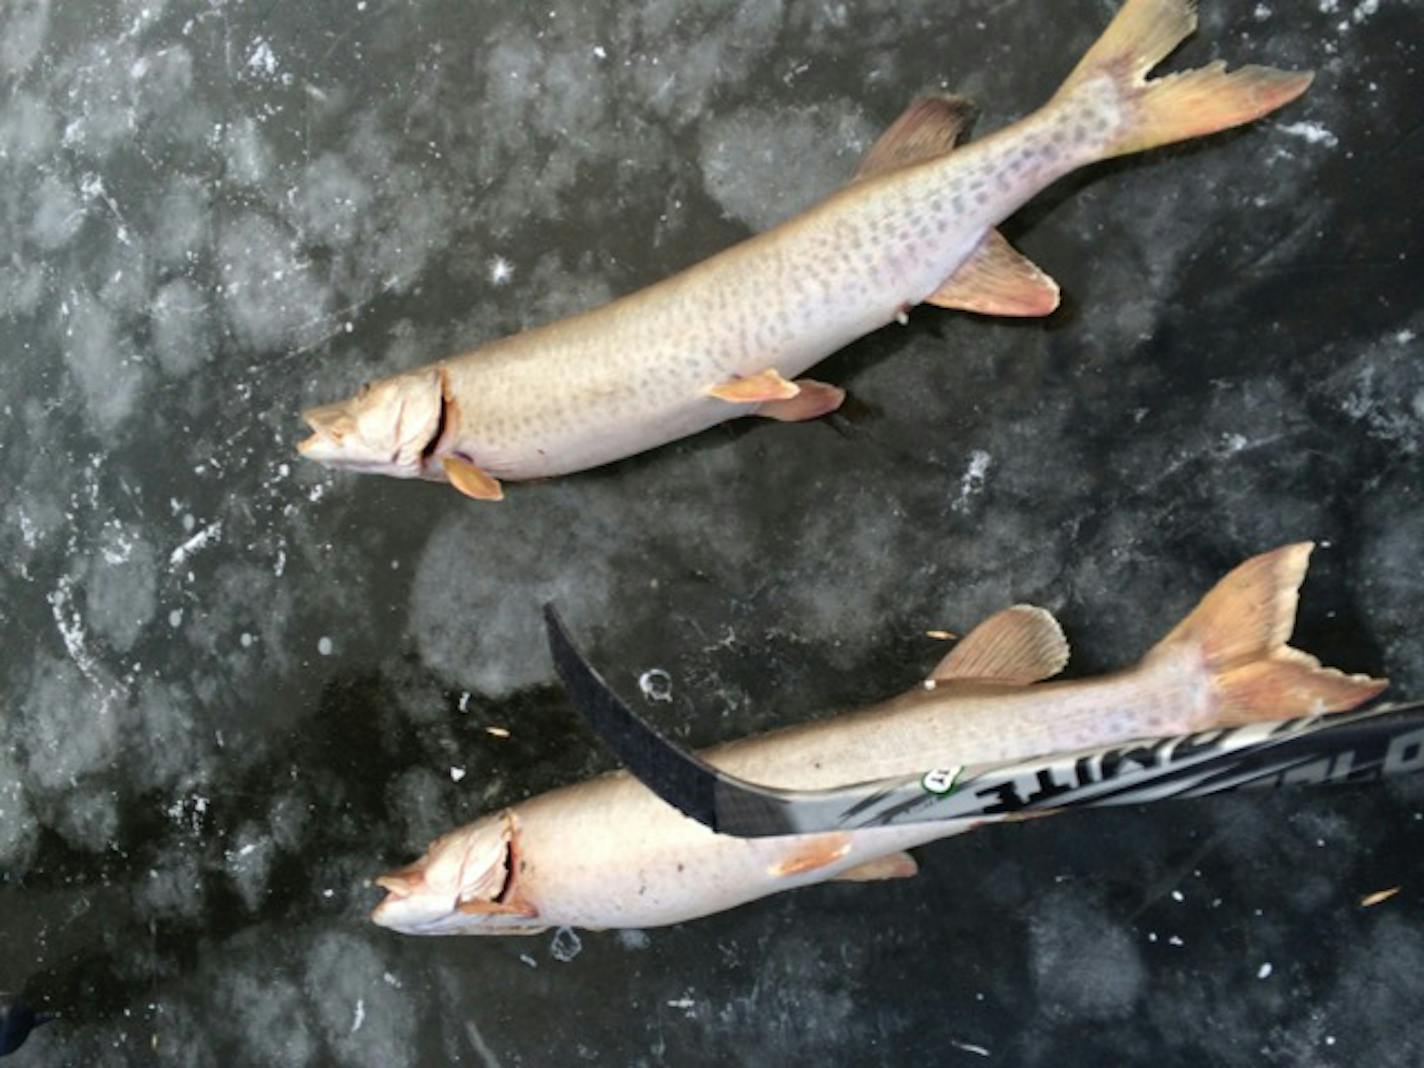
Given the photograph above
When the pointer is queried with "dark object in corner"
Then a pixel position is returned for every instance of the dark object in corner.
(17, 1020)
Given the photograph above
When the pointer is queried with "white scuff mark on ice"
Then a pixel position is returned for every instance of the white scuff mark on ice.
(527, 959)
(500, 271)
(262, 59)
(969, 1047)
(656, 684)
(1178, 896)
(1262, 12)
(1363, 10)
(456, 774)
(179, 812)
(1404, 337)
(973, 479)
(360, 1016)
(71, 631)
(175, 618)
(390, 980)
(633, 938)
(323, 645)
(92, 186)
(120, 550)
(1312, 132)
(200, 540)
(29, 534)
(465, 701)
(481, 1047)
(566, 945)
(1264, 971)
(685, 1003)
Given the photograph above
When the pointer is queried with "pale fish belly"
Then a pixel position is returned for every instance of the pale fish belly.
(625, 859)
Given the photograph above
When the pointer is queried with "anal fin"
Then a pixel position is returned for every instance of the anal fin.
(470, 480)
(813, 400)
(895, 866)
(998, 280)
(763, 386)
(815, 852)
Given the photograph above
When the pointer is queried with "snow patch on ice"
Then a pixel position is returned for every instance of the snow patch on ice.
(366, 1020)
(1083, 964)
(764, 165)
(1312, 132)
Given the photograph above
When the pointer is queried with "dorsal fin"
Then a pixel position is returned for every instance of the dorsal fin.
(1019, 645)
(996, 279)
(931, 126)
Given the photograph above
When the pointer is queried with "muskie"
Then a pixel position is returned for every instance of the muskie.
(729, 337)
(609, 853)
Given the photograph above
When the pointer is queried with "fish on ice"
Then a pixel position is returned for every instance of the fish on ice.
(609, 853)
(733, 335)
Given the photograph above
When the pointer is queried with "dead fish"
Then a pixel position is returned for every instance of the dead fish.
(17, 1020)
(730, 336)
(609, 853)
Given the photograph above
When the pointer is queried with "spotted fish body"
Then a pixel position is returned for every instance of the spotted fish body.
(730, 336)
(609, 853)
(635, 373)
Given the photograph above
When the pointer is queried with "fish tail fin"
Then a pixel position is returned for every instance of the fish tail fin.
(1239, 631)
(1178, 106)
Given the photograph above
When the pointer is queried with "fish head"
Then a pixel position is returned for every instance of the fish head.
(466, 883)
(390, 427)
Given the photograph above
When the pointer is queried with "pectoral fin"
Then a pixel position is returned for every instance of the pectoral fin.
(930, 127)
(895, 866)
(997, 280)
(763, 386)
(812, 853)
(813, 400)
(1019, 645)
(470, 480)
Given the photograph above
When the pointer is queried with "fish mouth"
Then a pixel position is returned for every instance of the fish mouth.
(330, 423)
(491, 901)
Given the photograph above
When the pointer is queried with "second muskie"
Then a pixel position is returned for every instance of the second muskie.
(730, 336)
(609, 853)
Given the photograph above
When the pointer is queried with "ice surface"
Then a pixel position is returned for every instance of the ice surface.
(234, 681)
(1084, 964)
(763, 166)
